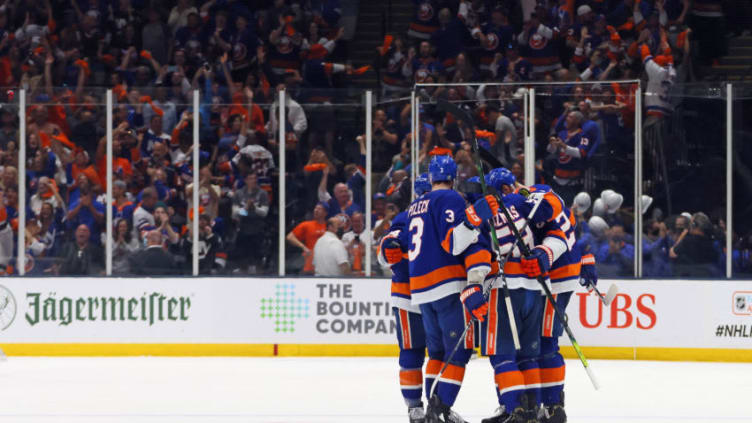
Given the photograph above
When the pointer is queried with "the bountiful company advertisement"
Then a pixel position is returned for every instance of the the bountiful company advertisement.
(647, 313)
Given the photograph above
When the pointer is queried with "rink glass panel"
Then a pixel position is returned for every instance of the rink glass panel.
(330, 145)
(64, 129)
(684, 171)
(606, 174)
(741, 197)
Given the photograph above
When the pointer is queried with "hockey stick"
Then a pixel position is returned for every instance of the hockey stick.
(464, 116)
(526, 252)
(610, 294)
(486, 289)
(446, 106)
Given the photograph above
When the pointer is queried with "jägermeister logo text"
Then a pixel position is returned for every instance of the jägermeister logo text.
(150, 307)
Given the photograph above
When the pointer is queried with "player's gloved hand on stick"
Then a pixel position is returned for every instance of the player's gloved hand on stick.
(475, 303)
(538, 262)
(588, 272)
(483, 209)
(392, 250)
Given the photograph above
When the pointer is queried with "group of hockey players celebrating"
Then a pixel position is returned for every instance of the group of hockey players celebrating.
(449, 274)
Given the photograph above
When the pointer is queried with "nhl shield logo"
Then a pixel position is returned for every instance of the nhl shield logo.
(8, 307)
(742, 303)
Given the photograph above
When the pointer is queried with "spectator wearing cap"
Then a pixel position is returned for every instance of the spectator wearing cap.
(81, 256)
(305, 234)
(330, 256)
(250, 209)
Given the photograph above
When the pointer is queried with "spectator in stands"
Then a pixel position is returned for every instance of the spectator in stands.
(81, 256)
(250, 209)
(615, 258)
(47, 192)
(341, 201)
(569, 150)
(124, 245)
(655, 250)
(153, 260)
(210, 246)
(330, 256)
(305, 235)
(358, 243)
(86, 210)
(143, 216)
(693, 253)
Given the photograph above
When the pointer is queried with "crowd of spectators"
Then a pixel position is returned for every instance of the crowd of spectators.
(152, 55)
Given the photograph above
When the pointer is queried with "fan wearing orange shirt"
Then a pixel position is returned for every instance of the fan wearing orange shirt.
(305, 235)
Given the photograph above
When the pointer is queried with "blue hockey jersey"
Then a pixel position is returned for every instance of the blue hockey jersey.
(435, 271)
(400, 270)
(558, 233)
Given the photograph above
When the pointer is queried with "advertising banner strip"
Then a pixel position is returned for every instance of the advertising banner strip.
(648, 319)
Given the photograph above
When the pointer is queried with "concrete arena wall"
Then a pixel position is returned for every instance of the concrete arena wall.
(648, 320)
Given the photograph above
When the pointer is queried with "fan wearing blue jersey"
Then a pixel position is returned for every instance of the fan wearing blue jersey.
(448, 263)
(516, 374)
(411, 336)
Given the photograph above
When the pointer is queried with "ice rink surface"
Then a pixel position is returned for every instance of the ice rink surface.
(281, 390)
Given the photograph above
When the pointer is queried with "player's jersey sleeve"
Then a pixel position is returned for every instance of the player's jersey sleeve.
(455, 235)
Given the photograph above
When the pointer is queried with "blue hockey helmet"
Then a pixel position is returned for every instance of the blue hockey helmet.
(422, 185)
(499, 177)
(442, 168)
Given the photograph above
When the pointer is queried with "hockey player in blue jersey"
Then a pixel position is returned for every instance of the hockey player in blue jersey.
(447, 267)
(559, 261)
(411, 336)
(516, 374)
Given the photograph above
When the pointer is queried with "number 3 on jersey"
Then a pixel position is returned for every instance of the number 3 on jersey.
(416, 232)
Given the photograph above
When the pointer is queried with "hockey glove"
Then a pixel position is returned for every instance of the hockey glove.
(392, 250)
(475, 303)
(538, 262)
(588, 272)
(483, 209)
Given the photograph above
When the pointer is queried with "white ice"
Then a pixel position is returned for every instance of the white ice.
(312, 390)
